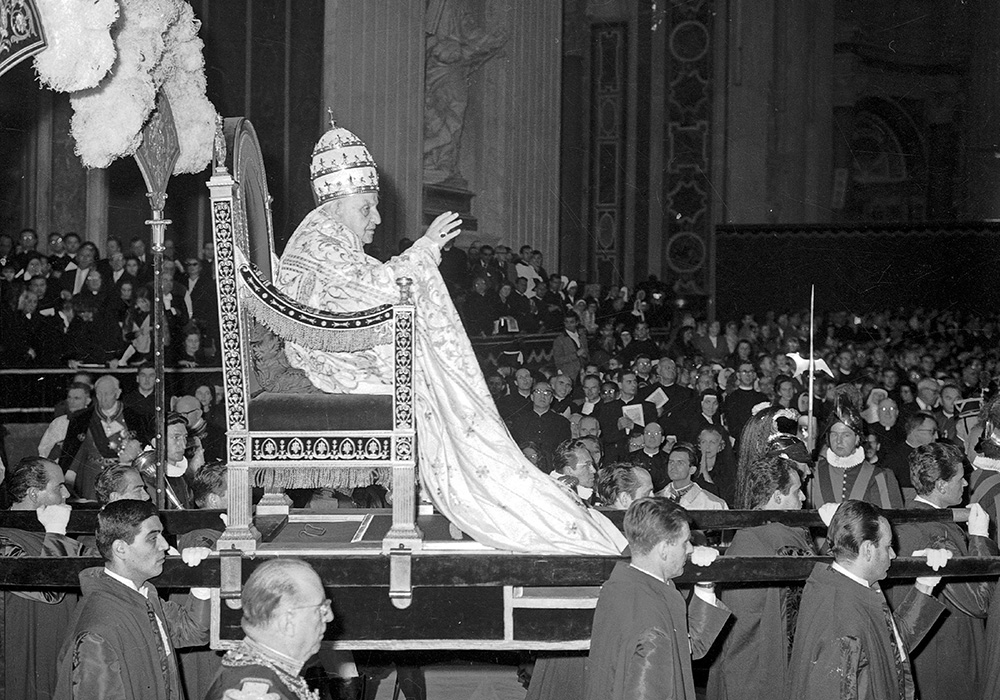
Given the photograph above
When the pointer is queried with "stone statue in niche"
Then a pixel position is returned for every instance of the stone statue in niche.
(456, 47)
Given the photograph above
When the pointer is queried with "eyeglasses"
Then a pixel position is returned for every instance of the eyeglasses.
(543, 392)
(323, 607)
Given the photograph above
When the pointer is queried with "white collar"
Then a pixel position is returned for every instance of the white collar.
(177, 469)
(990, 465)
(848, 462)
(921, 499)
(857, 579)
(647, 573)
(144, 591)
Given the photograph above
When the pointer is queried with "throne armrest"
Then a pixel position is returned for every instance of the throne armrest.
(312, 328)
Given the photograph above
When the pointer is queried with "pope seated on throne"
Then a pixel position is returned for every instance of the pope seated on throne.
(468, 464)
(324, 264)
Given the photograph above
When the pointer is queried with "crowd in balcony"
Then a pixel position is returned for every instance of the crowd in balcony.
(74, 305)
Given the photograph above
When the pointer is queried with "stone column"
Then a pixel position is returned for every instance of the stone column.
(373, 80)
(510, 154)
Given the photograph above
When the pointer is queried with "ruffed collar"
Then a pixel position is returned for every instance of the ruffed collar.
(991, 465)
(849, 462)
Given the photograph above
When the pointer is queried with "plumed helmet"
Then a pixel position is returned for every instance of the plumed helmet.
(341, 165)
(846, 413)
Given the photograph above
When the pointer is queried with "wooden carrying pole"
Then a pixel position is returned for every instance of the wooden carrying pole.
(812, 368)
(156, 157)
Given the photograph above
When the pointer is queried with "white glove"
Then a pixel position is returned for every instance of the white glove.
(929, 581)
(827, 511)
(936, 558)
(979, 521)
(54, 518)
(192, 556)
(704, 556)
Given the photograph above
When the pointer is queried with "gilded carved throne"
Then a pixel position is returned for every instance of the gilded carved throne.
(282, 431)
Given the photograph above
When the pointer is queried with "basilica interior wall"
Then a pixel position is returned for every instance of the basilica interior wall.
(614, 136)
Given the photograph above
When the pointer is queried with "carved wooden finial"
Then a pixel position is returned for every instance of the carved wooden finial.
(405, 285)
(219, 151)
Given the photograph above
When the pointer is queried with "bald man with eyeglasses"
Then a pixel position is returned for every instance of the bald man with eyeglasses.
(285, 615)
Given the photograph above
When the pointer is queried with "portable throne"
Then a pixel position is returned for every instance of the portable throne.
(282, 432)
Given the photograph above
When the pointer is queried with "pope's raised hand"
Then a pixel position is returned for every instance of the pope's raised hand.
(444, 228)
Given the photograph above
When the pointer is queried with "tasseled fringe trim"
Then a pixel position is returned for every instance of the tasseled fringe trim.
(320, 477)
(312, 335)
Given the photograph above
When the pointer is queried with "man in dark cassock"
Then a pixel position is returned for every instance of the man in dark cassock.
(562, 394)
(644, 635)
(540, 425)
(140, 407)
(755, 650)
(920, 429)
(643, 344)
(666, 387)
(519, 399)
(285, 614)
(200, 665)
(738, 407)
(848, 644)
(950, 661)
(479, 309)
(34, 621)
(651, 457)
(122, 641)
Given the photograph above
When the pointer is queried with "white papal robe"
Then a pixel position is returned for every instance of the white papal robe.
(468, 463)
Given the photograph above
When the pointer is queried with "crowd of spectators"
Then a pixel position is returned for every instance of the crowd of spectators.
(69, 306)
(686, 397)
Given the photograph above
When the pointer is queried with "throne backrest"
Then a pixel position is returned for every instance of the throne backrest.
(245, 162)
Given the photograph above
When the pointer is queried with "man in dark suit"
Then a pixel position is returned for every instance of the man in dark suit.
(74, 278)
(201, 298)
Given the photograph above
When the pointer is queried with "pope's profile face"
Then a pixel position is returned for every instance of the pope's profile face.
(359, 212)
